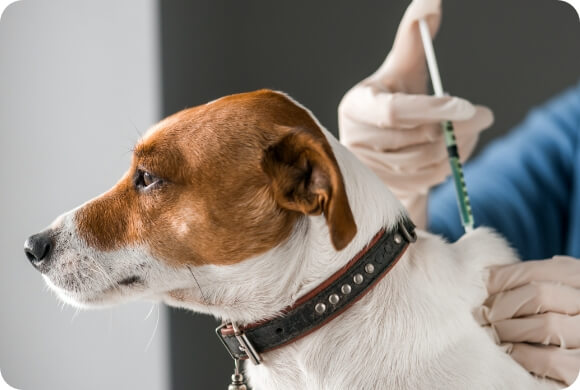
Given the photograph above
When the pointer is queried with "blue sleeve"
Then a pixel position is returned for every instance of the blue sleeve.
(525, 185)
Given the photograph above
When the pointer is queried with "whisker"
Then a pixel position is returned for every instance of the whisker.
(150, 311)
(109, 282)
(75, 314)
(198, 286)
(155, 328)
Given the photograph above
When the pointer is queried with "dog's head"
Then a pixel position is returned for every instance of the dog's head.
(216, 184)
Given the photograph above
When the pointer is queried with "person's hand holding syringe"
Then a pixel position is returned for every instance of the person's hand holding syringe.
(393, 126)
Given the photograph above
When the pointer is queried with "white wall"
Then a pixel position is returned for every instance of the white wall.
(78, 82)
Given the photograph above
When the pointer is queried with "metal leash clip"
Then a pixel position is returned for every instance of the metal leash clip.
(238, 380)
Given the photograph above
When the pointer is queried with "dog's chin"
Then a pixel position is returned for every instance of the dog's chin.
(114, 295)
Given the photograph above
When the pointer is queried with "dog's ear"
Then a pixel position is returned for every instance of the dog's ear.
(305, 177)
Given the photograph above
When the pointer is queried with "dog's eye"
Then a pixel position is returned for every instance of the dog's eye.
(148, 179)
(144, 180)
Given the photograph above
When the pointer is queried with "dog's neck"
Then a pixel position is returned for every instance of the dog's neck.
(373, 206)
(261, 287)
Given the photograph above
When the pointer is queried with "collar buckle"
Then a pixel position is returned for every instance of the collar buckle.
(410, 236)
(245, 347)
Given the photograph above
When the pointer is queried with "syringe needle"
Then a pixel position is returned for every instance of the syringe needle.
(450, 142)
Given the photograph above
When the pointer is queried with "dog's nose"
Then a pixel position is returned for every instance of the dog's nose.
(37, 248)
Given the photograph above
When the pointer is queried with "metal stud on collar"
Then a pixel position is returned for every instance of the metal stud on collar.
(345, 289)
(333, 299)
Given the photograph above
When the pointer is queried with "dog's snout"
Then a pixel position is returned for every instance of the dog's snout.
(38, 247)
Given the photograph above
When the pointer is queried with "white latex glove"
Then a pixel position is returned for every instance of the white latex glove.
(389, 123)
(533, 311)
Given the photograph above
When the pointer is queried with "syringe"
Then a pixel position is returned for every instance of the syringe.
(456, 168)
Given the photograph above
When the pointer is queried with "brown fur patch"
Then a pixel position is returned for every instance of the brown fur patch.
(216, 204)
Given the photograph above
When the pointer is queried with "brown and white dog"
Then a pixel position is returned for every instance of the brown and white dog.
(239, 207)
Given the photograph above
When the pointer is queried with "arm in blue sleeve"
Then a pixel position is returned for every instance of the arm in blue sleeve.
(525, 185)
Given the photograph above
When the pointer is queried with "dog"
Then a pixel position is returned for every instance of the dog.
(239, 208)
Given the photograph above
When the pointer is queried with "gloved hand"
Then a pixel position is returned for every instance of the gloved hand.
(392, 126)
(534, 312)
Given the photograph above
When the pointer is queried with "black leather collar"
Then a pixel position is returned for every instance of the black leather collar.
(324, 303)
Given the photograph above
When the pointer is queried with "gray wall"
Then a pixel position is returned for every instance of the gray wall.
(78, 82)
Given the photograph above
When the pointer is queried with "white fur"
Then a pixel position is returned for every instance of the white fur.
(414, 330)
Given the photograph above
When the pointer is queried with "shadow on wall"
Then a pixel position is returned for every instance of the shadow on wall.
(490, 52)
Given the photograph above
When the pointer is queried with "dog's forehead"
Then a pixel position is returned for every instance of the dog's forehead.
(260, 116)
